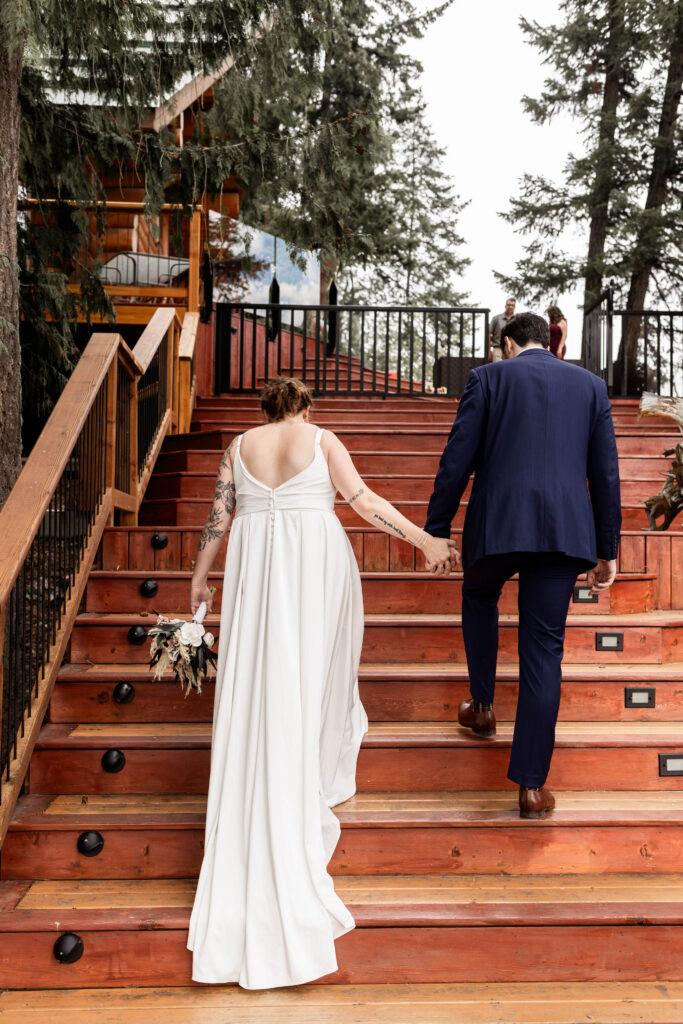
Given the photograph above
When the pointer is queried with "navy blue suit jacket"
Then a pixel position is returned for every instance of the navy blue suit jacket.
(534, 430)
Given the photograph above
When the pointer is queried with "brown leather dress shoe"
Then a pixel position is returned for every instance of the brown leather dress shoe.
(535, 803)
(481, 722)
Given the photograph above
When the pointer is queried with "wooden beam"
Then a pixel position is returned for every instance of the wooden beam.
(195, 257)
(185, 97)
(138, 291)
(25, 744)
(122, 500)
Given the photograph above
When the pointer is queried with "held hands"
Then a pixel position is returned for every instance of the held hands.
(441, 555)
(602, 576)
(200, 592)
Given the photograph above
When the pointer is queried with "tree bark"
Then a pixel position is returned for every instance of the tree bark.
(648, 239)
(10, 353)
(604, 172)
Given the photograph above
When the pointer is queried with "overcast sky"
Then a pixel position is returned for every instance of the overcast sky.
(477, 67)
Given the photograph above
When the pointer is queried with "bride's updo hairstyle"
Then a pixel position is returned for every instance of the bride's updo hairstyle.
(283, 397)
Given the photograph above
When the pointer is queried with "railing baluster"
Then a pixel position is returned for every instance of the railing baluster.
(291, 343)
(362, 350)
(374, 353)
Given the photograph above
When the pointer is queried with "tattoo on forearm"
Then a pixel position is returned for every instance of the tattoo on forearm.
(223, 506)
(212, 528)
(390, 525)
(356, 495)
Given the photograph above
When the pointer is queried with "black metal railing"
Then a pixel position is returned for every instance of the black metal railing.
(350, 349)
(42, 589)
(634, 350)
(122, 454)
(152, 402)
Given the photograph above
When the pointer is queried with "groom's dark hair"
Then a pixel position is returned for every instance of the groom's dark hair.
(526, 327)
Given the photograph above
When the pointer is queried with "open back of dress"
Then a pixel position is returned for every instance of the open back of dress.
(287, 728)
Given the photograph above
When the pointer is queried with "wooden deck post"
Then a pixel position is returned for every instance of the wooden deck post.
(110, 437)
(195, 256)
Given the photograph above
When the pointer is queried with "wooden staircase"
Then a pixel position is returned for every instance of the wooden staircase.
(464, 912)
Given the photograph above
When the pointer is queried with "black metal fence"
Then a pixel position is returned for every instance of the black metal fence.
(43, 587)
(634, 350)
(350, 349)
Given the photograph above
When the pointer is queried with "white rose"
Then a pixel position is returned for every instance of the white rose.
(209, 639)
(191, 633)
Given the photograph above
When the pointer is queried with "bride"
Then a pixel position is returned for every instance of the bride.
(288, 721)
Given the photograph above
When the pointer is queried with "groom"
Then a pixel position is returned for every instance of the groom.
(534, 430)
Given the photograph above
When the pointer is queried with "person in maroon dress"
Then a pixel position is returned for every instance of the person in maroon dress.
(558, 331)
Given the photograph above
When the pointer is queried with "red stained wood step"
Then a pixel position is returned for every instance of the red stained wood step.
(192, 512)
(409, 929)
(402, 592)
(403, 484)
(648, 638)
(382, 834)
(424, 458)
(391, 693)
(395, 757)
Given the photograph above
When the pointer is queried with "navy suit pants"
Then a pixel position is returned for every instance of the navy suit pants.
(546, 582)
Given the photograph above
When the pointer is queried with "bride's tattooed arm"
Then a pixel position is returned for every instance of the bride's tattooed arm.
(214, 531)
(218, 520)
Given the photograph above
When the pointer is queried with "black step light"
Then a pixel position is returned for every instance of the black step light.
(159, 541)
(582, 595)
(137, 635)
(148, 588)
(124, 692)
(113, 761)
(90, 843)
(609, 641)
(639, 696)
(68, 948)
(670, 764)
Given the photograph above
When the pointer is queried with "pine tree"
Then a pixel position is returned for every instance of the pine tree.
(338, 194)
(609, 71)
(77, 80)
(417, 258)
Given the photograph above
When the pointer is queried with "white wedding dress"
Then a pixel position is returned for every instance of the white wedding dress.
(287, 727)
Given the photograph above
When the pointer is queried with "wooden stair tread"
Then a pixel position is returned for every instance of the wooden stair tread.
(457, 1003)
(375, 901)
(390, 810)
(399, 576)
(667, 617)
(380, 734)
(387, 672)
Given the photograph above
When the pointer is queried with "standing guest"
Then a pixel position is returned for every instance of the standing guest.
(558, 331)
(496, 330)
(530, 513)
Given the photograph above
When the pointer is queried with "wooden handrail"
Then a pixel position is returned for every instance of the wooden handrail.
(94, 424)
(22, 513)
(153, 335)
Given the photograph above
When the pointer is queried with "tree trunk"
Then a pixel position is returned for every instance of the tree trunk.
(604, 171)
(648, 239)
(10, 354)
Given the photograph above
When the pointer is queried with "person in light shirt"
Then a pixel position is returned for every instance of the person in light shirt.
(496, 330)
